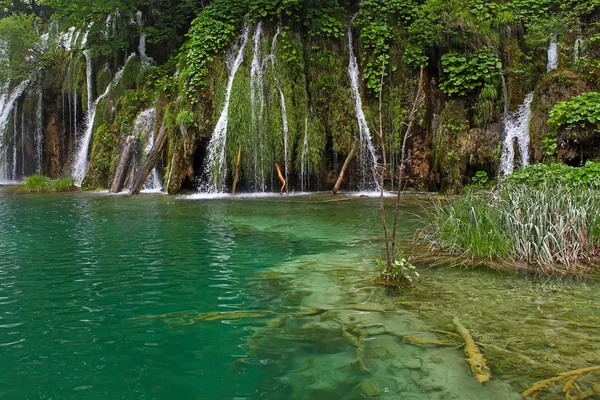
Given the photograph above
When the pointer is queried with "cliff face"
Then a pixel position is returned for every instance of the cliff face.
(284, 90)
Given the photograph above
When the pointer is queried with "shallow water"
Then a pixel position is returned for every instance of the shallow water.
(169, 297)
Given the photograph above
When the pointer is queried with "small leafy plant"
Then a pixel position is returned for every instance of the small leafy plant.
(400, 274)
(480, 178)
(463, 73)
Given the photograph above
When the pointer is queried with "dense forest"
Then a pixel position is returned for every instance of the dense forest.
(195, 92)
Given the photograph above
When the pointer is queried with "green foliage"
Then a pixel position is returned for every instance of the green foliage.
(539, 175)
(211, 32)
(400, 272)
(550, 145)
(582, 111)
(480, 178)
(324, 19)
(20, 49)
(463, 73)
(186, 118)
(40, 183)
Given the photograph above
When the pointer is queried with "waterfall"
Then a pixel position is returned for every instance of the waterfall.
(285, 133)
(516, 127)
(89, 78)
(552, 55)
(8, 160)
(142, 45)
(39, 132)
(304, 160)
(504, 94)
(216, 167)
(577, 50)
(257, 101)
(81, 162)
(368, 158)
(144, 124)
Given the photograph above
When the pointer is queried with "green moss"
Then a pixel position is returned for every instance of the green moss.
(131, 71)
(450, 146)
(103, 78)
(102, 159)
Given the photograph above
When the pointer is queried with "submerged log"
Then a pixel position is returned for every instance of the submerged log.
(151, 160)
(124, 164)
(570, 377)
(340, 180)
(282, 179)
(474, 357)
(237, 170)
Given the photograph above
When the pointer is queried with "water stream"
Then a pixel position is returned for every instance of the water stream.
(516, 128)
(80, 165)
(304, 160)
(215, 171)
(368, 157)
(552, 54)
(144, 125)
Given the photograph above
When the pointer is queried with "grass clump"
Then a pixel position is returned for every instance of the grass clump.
(549, 229)
(40, 184)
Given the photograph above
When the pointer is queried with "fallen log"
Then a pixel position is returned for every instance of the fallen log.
(474, 357)
(282, 179)
(570, 377)
(237, 170)
(340, 180)
(124, 164)
(151, 160)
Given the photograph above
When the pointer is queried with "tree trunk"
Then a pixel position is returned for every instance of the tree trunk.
(282, 179)
(340, 179)
(124, 165)
(237, 170)
(151, 160)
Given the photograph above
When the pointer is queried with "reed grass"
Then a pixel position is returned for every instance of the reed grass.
(550, 229)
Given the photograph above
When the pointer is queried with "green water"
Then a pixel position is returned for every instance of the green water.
(160, 297)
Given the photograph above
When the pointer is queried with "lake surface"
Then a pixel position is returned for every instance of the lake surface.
(272, 298)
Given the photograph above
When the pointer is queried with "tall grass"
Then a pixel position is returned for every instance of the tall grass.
(552, 229)
(40, 183)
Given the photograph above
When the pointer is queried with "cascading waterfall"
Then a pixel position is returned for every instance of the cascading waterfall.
(257, 101)
(144, 124)
(285, 133)
(304, 160)
(39, 131)
(216, 167)
(577, 50)
(516, 127)
(81, 163)
(8, 160)
(142, 45)
(504, 94)
(368, 158)
(89, 77)
(552, 54)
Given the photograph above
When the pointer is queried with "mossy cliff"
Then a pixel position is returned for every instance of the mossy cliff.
(291, 101)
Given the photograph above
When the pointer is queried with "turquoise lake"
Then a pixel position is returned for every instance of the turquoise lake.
(105, 297)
